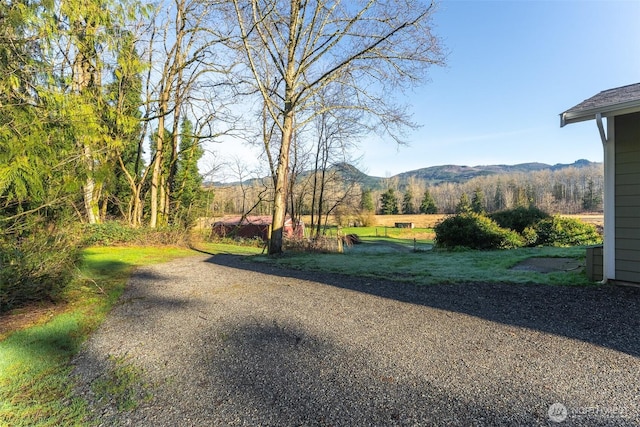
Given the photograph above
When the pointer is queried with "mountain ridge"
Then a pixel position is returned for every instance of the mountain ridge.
(434, 175)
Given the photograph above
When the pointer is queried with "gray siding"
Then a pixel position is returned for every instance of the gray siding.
(627, 152)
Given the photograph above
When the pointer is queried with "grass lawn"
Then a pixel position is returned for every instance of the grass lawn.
(394, 259)
(389, 232)
(406, 255)
(35, 389)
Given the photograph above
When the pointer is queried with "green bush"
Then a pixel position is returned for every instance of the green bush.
(35, 266)
(116, 233)
(109, 233)
(475, 231)
(38, 259)
(518, 219)
(530, 236)
(559, 231)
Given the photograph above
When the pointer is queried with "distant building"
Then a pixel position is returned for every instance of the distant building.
(254, 226)
(621, 142)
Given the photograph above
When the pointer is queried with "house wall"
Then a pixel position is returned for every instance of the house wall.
(627, 197)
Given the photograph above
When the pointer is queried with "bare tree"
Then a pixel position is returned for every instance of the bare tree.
(335, 135)
(364, 51)
(298, 186)
(184, 81)
(253, 191)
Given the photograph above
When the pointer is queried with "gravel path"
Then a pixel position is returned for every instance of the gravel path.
(220, 341)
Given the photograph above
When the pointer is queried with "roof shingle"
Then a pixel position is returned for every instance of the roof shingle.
(609, 102)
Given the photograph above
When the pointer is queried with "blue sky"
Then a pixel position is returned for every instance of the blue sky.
(512, 67)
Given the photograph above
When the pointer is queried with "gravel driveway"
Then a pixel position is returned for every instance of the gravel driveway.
(220, 341)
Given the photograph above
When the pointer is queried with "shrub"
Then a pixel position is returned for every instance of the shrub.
(518, 219)
(117, 233)
(475, 231)
(35, 266)
(367, 219)
(559, 231)
(530, 236)
(109, 233)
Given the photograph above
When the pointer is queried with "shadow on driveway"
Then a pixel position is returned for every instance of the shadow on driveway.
(607, 316)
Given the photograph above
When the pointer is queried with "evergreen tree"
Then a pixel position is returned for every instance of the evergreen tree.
(389, 202)
(366, 201)
(592, 199)
(34, 145)
(124, 126)
(521, 194)
(463, 206)
(428, 205)
(24, 159)
(188, 191)
(477, 201)
(559, 192)
(499, 199)
(407, 203)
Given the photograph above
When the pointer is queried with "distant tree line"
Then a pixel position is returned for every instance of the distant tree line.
(570, 190)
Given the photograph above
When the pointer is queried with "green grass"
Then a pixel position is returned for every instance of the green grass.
(383, 244)
(35, 387)
(401, 238)
(389, 232)
(383, 261)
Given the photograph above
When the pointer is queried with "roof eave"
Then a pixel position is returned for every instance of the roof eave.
(569, 116)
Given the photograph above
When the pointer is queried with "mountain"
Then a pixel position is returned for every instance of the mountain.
(351, 173)
(434, 175)
(458, 174)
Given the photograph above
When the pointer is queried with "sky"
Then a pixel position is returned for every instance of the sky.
(512, 67)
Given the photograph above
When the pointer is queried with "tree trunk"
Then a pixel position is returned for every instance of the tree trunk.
(89, 186)
(169, 182)
(321, 199)
(281, 185)
(288, 116)
(162, 200)
(84, 77)
(90, 201)
(157, 162)
(135, 210)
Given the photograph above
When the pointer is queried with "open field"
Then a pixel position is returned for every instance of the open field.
(384, 225)
(430, 221)
(420, 220)
(408, 234)
(596, 219)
